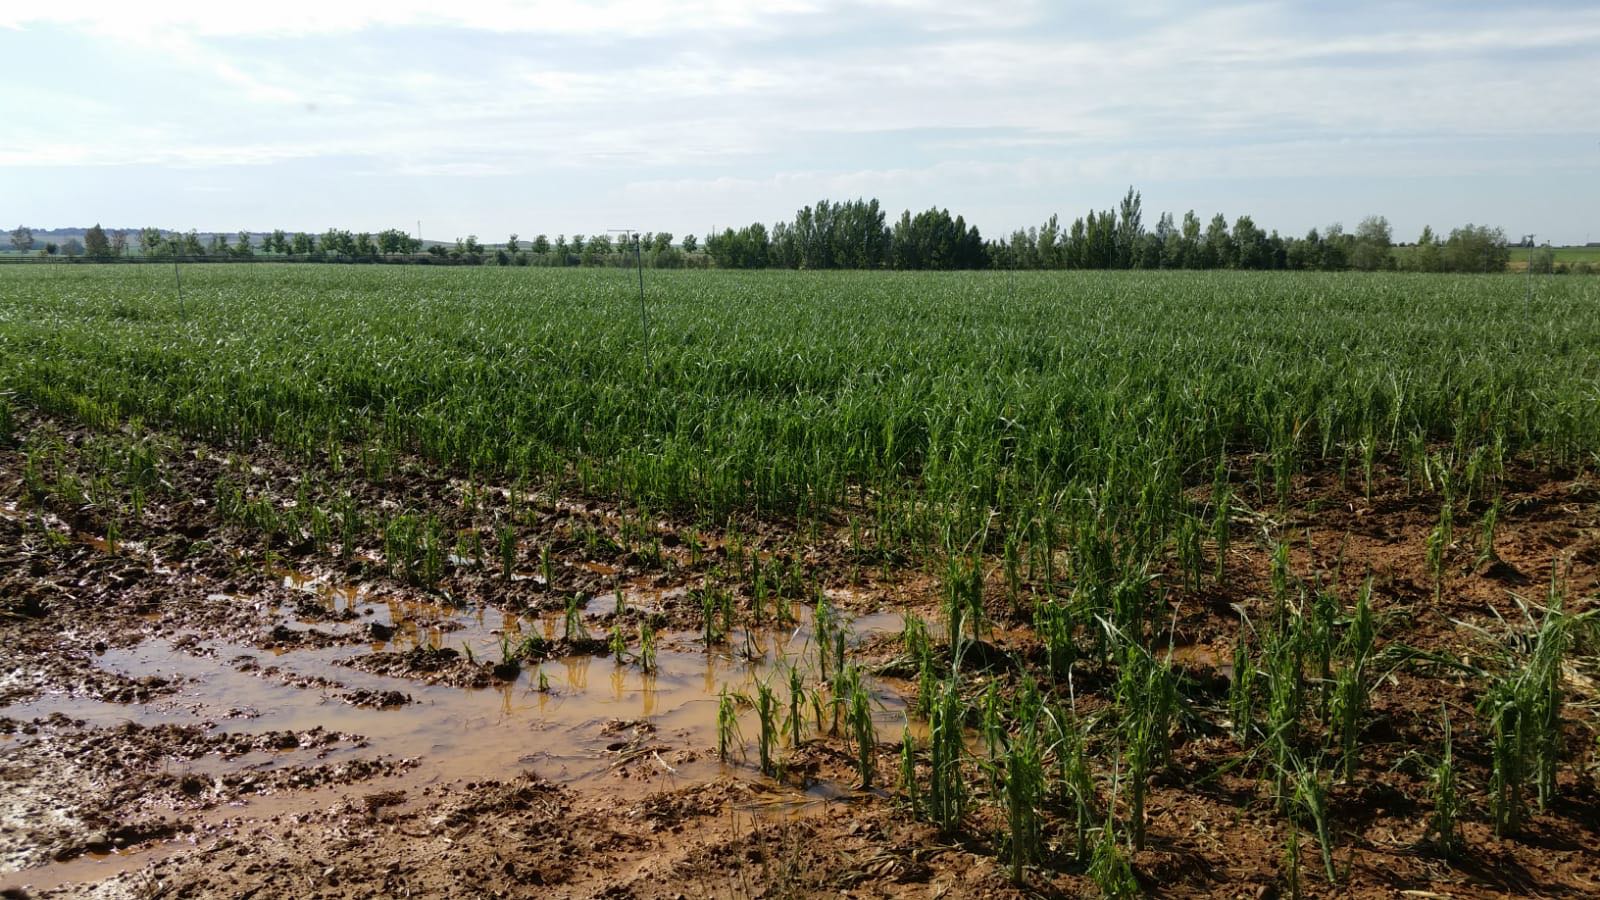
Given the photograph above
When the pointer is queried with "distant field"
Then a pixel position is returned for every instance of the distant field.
(1568, 255)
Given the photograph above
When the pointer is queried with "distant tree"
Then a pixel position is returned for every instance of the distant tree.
(1476, 248)
(1075, 245)
(661, 242)
(933, 240)
(279, 241)
(469, 250)
(1336, 248)
(244, 249)
(22, 239)
(338, 242)
(541, 245)
(219, 245)
(690, 243)
(852, 234)
(511, 243)
(151, 242)
(1278, 248)
(72, 247)
(1216, 251)
(439, 250)
(302, 244)
(1100, 240)
(1250, 245)
(1306, 252)
(1048, 251)
(1164, 240)
(50, 249)
(1022, 249)
(1130, 230)
(190, 244)
(1189, 238)
(394, 240)
(1425, 256)
(596, 251)
(1374, 246)
(747, 248)
(95, 242)
(119, 243)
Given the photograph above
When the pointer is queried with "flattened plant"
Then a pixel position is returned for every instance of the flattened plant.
(1522, 710)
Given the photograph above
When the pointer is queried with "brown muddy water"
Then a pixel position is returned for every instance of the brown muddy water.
(596, 723)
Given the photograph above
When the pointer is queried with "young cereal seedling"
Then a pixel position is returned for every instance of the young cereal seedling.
(1109, 868)
(727, 725)
(508, 551)
(573, 629)
(1024, 794)
(1291, 862)
(797, 694)
(710, 610)
(1491, 522)
(908, 770)
(862, 732)
(1148, 696)
(1443, 825)
(647, 647)
(767, 714)
(947, 788)
(619, 644)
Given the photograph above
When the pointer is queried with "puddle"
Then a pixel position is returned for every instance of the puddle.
(89, 868)
(459, 732)
(1200, 656)
(596, 715)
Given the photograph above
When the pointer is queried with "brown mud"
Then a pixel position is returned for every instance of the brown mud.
(191, 706)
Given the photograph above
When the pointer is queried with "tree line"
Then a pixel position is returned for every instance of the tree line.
(858, 234)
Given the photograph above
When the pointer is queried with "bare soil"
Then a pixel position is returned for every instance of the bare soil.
(191, 707)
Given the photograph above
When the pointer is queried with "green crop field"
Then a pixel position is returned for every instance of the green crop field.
(1079, 577)
(931, 400)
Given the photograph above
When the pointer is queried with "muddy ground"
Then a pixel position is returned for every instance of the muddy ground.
(209, 690)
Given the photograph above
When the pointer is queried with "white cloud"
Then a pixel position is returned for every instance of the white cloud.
(306, 17)
(747, 102)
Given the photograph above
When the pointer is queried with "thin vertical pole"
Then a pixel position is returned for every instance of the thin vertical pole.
(644, 316)
(1530, 268)
(183, 310)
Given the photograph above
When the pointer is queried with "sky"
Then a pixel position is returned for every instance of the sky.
(499, 116)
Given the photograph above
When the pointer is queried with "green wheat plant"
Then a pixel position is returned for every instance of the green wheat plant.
(766, 705)
(727, 725)
(647, 647)
(1444, 825)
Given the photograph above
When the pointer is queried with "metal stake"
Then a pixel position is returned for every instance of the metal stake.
(644, 316)
(1529, 298)
(183, 311)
